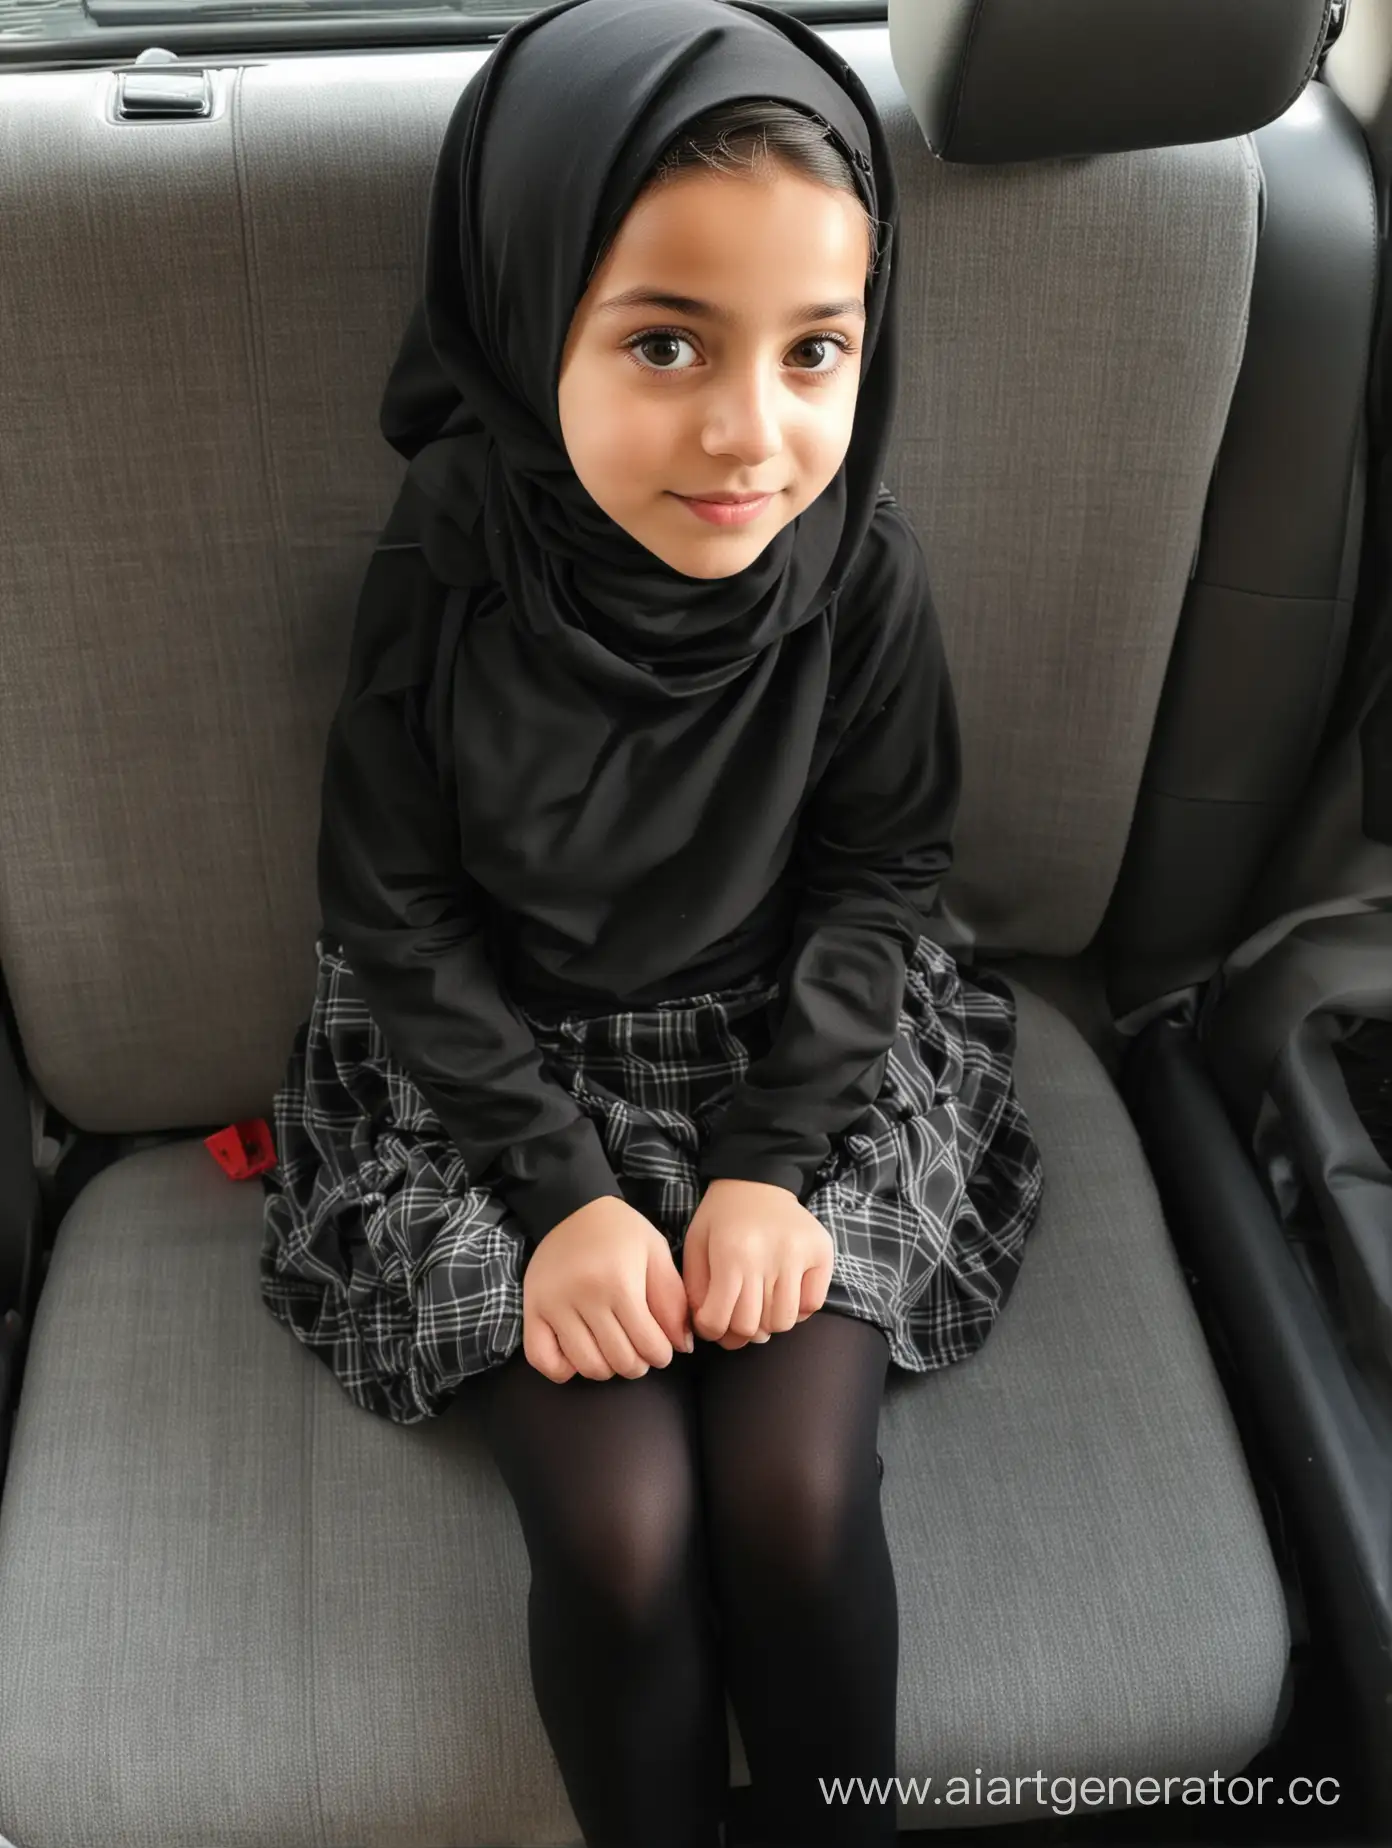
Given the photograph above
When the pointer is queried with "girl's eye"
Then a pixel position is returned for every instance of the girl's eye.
(662, 346)
(664, 340)
(834, 342)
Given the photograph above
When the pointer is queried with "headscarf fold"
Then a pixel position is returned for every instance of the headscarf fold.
(546, 151)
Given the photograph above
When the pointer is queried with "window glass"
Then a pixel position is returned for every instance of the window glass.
(119, 29)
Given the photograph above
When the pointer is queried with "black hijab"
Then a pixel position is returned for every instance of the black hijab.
(547, 149)
(623, 752)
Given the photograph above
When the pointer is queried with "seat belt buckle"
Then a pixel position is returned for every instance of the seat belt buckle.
(243, 1150)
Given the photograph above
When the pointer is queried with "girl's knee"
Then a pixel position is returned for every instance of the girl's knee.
(795, 1512)
(626, 1553)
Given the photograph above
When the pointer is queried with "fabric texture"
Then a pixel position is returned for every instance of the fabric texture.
(211, 1558)
(402, 1270)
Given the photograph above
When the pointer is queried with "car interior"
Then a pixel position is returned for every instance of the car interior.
(1147, 1532)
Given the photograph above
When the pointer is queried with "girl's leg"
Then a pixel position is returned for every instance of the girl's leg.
(808, 1610)
(620, 1626)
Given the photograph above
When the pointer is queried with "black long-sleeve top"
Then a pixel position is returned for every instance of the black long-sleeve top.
(819, 863)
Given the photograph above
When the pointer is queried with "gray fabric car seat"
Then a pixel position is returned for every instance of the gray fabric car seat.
(234, 1609)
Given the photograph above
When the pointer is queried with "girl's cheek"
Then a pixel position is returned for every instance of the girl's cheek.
(641, 436)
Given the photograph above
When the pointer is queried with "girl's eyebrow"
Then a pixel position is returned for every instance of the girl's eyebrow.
(643, 297)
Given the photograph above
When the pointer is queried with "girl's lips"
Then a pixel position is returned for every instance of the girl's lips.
(726, 513)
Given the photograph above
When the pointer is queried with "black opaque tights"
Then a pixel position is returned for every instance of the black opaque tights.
(713, 1524)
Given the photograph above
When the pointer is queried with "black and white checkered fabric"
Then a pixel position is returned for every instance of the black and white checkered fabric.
(404, 1275)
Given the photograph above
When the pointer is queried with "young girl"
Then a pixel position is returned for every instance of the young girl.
(635, 1092)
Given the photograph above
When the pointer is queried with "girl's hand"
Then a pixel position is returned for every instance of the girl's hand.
(755, 1262)
(602, 1296)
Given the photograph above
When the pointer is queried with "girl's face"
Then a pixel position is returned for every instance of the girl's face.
(716, 351)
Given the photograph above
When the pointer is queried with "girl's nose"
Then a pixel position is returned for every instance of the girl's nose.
(743, 419)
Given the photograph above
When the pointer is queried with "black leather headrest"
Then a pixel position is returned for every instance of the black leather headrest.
(1001, 80)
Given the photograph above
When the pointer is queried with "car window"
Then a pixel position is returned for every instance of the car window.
(103, 31)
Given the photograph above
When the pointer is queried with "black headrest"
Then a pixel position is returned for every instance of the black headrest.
(1001, 80)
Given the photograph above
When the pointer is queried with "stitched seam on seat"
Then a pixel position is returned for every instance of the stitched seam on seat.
(256, 367)
(1270, 596)
(954, 108)
(256, 342)
(1243, 802)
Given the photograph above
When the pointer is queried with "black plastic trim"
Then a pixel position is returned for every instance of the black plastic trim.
(21, 1205)
(1327, 1434)
(21, 1221)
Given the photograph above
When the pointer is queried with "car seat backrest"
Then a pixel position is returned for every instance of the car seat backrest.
(1267, 618)
(197, 319)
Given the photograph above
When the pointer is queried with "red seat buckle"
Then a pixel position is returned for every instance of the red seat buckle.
(243, 1149)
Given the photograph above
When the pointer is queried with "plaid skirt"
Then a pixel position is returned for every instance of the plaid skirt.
(387, 1259)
